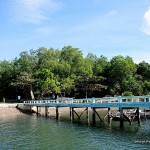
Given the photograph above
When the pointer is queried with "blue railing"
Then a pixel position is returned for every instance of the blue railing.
(119, 99)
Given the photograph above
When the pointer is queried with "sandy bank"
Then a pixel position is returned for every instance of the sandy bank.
(8, 105)
(9, 109)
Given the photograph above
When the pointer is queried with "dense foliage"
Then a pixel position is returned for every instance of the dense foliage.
(52, 73)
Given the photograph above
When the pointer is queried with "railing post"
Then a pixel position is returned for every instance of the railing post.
(101, 100)
(132, 99)
(71, 100)
(93, 100)
(87, 100)
(119, 99)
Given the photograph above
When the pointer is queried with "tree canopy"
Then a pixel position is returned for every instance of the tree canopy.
(66, 72)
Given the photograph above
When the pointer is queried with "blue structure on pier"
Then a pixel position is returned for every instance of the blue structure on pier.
(125, 102)
(105, 102)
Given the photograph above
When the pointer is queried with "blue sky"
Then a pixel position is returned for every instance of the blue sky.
(101, 27)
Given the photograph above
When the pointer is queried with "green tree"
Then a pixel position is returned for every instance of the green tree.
(7, 73)
(121, 70)
(66, 85)
(143, 69)
(24, 81)
(89, 85)
(131, 84)
(74, 57)
(48, 58)
(76, 67)
(46, 83)
(146, 87)
(26, 62)
(101, 65)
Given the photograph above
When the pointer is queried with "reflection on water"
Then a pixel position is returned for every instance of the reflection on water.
(32, 132)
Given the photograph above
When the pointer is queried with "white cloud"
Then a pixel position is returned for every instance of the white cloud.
(32, 11)
(146, 28)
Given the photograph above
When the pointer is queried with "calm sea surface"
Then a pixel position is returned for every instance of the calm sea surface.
(29, 132)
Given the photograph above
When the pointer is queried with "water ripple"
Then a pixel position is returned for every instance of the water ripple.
(32, 133)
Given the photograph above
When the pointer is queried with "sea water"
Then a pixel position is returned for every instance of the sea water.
(30, 132)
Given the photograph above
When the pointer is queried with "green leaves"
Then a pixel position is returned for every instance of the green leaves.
(143, 69)
(91, 84)
(46, 82)
(122, 69)
(51, 72)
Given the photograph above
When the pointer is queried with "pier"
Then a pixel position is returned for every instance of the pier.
(134, 103)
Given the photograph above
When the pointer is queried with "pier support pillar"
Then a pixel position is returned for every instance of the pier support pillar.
(71, 114)
(57, 113)
(31, 109)
(109, 117)
(87, 115)
(138, 115)
(46, 111)
(121, 117)
(93, 116)
(37, 110)
(145, 114)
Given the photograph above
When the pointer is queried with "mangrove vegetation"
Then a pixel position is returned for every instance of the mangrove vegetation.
(40, 73)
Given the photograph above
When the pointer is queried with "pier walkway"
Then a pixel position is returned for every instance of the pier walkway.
(124, 102)
(105, 102)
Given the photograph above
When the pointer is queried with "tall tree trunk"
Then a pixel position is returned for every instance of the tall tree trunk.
(31, 93)
(56, 95)
(86, 94)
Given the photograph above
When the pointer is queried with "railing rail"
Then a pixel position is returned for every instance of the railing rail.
(118, 99)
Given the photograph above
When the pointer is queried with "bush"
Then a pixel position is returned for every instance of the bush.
(127, 93)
